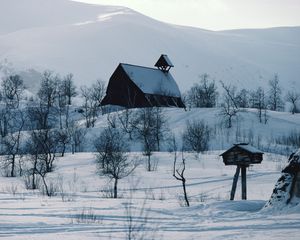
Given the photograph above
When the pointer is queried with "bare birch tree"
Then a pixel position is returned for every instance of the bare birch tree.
(293, 98)
(112, 159)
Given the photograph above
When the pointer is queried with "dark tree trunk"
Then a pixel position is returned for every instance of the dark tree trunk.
(46, 187)
(149, 163)
(33, 176)
(185, 194)
(13, 163)
(33, 181)
(116, 188)
(63, 150)
(229, 121)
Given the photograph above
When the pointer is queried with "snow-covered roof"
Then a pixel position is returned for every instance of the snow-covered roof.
(165, 59)
(245, 147)
(249, 148)
(152, 81)
(168, 60)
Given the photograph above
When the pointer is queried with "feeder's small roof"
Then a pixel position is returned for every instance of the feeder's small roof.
(249, 148)
(245, 147)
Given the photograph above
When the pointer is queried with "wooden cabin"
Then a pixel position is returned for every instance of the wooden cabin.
(133, 86)
(242, 154)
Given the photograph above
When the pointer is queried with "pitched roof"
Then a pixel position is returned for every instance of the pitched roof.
(164, 60)
(152, 81)
(245, 147)
(249, 148)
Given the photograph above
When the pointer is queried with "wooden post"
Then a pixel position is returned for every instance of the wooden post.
(235, 180)
(244, 183)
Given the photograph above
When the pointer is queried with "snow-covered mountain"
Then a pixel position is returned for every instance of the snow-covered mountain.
(90, 40)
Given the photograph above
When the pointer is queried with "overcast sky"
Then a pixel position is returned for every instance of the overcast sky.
(217, 14)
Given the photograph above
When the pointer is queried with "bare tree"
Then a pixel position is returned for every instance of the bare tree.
(4, 120)
(69, 88)
(12, 90)
(32, 159)
(125, 118)
(39, 116)
(45, 142)
(112, 159)
(179, 168)
(275, 92)
(229, 107)
(161, 129)
(98, 91)
(144, 125)
(260, 104)
(112, 120)
(89, 107)
(293, 97)
(62, 138)
(77, 136)
(242, 98)
(41, 170)
(203, 94)
(196, 136)
(61, 102)
(41, 149)
(48, 89)
(11, 144)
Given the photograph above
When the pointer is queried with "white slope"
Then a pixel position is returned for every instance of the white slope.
(81, 209)
(90, 41)
(245, 128)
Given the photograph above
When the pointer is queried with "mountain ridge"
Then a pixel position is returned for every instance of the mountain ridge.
(91, 40)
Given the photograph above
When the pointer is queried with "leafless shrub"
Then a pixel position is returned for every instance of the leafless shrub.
(27, 179)
(181, 200)
(50, 189)
(137, 223)
(12, 189)
(196, 136)
(292, 139)
(107, 192)
(202, 197)
(86, 216)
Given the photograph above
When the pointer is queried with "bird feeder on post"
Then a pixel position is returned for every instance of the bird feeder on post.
(242, 155)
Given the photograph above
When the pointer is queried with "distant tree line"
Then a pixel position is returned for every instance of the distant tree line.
(35, 129)
(205, 94)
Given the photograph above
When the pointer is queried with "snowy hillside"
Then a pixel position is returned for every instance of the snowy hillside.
(246, 128)
(90, 40)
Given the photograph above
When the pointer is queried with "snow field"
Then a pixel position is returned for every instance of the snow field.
(153, 200)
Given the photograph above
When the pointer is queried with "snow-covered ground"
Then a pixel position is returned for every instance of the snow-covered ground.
(151, 199)
(246, 128)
